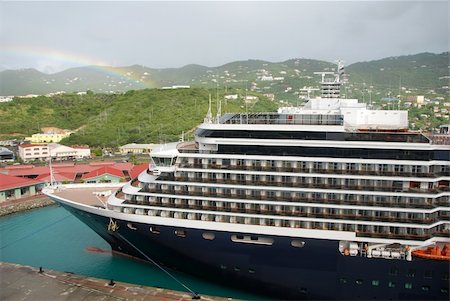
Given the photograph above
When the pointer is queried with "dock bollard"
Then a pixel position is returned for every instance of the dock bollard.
(111, 283)
(41, 270)
(195, 296)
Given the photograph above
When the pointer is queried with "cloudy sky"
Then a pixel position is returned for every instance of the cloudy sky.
(52, 36)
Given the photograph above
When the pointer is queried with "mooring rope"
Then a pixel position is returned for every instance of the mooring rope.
(159, 266)
(36, 231)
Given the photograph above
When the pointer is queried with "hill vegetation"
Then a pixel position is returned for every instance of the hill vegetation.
(110, 120)
(423, 74)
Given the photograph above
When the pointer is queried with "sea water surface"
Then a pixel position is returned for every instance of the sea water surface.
(54, 239)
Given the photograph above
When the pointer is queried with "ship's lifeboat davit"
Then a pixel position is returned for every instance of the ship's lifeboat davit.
(434, 253)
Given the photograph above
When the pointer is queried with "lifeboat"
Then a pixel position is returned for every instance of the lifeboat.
(434, 253)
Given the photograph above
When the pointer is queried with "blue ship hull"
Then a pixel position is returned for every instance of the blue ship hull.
(315, 271)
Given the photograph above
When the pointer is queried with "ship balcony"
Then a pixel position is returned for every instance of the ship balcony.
(382, 188)
(311, 200)
(269, 210)
(318, 170)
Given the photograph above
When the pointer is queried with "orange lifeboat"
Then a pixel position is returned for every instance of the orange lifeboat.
(434, 253)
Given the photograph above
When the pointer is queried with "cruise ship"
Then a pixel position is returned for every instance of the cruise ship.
(331, 200)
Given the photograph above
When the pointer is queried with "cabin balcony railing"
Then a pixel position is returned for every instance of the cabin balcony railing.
(383, 188)
(303, 200)
(286, 212)
(318, 170)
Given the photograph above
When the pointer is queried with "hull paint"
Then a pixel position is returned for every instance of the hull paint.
(315, 271)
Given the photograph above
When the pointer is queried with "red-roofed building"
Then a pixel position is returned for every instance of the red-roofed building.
(137, 169)
(32, 172)
(59, 177)
(105, 174)
(12, 188)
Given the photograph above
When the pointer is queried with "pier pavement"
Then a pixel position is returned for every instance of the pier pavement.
(18, 282)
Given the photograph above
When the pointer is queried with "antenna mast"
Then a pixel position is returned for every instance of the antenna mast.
(208, 118)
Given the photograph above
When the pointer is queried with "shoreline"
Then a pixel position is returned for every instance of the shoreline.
(24, 204)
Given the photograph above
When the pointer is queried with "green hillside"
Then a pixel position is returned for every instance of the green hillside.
(144, 116)
(420, 74)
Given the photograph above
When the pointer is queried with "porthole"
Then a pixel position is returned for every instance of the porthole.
(180, 233)
(297, 243)
(251, 271)
(237, 269)
(154, 230)
(208, 235)
(359, 281)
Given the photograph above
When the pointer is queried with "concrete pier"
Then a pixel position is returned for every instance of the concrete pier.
(18, 282)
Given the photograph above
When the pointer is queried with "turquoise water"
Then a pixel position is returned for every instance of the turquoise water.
(52, 238)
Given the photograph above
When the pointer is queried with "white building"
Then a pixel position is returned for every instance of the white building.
(29, 152)
(231, 97)
(59, 151)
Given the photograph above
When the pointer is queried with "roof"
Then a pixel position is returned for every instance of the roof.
(102, 171)
(137, 169)
(31, 170)
(10, 182)
(137, 145)
(31, 145)
(5, 151)
(59, 176)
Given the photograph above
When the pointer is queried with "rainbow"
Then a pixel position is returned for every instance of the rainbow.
(75, 60)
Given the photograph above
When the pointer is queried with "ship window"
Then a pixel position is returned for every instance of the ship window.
(408, 285)
(208, 236)
(303, 290)
(444, 290)
(223, 267)
(375, 282)
(131, 226)
(343, 280)
(251, 271)
(391, 284)
(428, 274)
(411, 273)
(425, 288)
(297, 243)
(154, 230)
(180, 233)
(445, 276)
(248, 239)
(393, 271)
(359, 281)
(237, 269)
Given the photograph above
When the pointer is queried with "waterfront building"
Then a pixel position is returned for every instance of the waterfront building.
(105, 174)
(13, 188)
